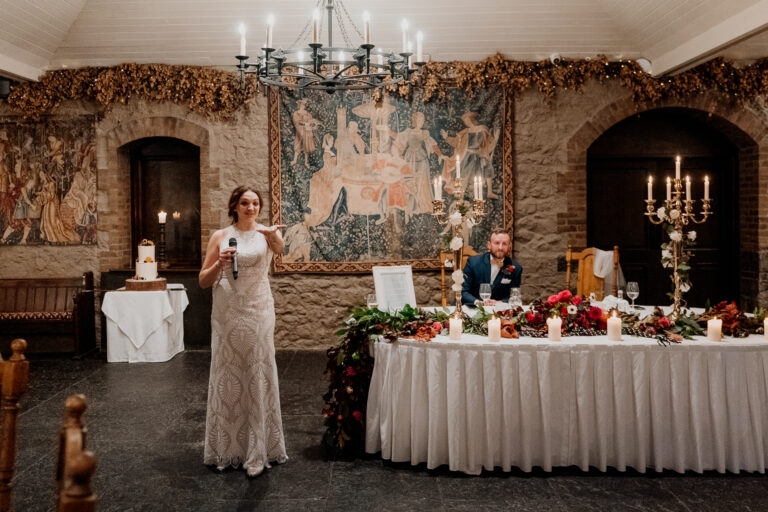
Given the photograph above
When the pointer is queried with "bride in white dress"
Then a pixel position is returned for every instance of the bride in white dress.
(243, 423)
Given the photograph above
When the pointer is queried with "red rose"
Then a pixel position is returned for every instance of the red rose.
(511, 268)
(529, 317)
(552, 300)
(595, 313)
(564, 296)
(437, 326)
(564, 311)
(357, 415)
(664, 322)
(351, 371)
(577, 300)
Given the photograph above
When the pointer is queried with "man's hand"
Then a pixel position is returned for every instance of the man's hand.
(490, 302)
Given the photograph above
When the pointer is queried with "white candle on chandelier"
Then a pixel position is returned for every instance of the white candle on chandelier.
(270, 22)
(687, 188)
(677, 167)
(419, 41)
(409, 49)
(650, 188)
(669, 189)
(404, 26)
(706, 187)
(367, 27)
(380, 60)
(300, 58)
(315, 26)
(458, 167)
(241, 29)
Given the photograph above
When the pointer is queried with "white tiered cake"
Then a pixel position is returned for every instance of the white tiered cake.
(146, 277)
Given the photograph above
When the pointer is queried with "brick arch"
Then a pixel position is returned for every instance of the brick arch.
(745, 129)
(115, 182)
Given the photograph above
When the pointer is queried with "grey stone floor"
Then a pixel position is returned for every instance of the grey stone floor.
(146, 425)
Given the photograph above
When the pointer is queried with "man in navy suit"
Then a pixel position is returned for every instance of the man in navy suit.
(494, 267)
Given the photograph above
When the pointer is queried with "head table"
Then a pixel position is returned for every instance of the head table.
(584, 401)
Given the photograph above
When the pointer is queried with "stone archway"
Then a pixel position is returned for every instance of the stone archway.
(744, 129)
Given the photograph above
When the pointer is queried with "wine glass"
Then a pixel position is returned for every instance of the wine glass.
(515, 299)
(371, 301)
(485, 291)
(633, 292)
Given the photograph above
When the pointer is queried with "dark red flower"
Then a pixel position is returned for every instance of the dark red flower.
(357, 415)
(577, 300)
(664, 322)
(552, 300)
(564, 310)
(529, 317)
(595, 313)
(351, 372)
(564, 296)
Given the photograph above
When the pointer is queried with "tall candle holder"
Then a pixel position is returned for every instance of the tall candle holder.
(678, 212)
(162, 262)
(459, 212)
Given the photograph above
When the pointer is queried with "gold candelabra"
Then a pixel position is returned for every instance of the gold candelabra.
(458, 213)
(678, 212)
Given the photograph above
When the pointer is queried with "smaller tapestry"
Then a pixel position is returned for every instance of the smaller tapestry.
(48, 183)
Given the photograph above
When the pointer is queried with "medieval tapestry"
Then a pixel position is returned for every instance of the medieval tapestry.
(48, 183)
(353, 178)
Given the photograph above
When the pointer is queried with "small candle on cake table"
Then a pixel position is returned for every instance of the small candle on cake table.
(494, 329)
(715, 329)
(455, 328)
(614, 327)
(176, 215)
(161, 217)
(554, 325)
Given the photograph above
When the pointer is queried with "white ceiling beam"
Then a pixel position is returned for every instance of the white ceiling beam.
(730, 31)
(16, 69)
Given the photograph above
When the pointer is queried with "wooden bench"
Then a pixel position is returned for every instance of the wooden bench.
(53, 314)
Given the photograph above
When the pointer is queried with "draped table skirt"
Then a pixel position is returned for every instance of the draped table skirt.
(528, 403)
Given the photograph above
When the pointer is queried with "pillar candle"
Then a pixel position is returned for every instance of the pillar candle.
(315, 26)
(706, 187)
(715, 329)
(553, 328)
(270, 22)
(161, 217)
(241, 29)
(367, 27)
(687, 188)
(650, 188)
(300, 58)
(455, 328)
(494, 329)
(404, 26)
(614, 328)
(765, 328)
(458, 167)
(419, 41)
(677, 167)
(669, 189)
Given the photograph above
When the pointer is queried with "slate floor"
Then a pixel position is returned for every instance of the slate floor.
(146, 425)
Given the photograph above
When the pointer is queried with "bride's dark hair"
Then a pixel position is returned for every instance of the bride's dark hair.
(234, 198)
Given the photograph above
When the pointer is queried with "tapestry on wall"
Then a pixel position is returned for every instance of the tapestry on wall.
(48, 183)
(352, 178)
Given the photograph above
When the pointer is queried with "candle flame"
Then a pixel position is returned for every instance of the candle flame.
(650, 180)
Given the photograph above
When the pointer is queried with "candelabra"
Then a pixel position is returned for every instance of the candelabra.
(461, 213)
(678, 213)
(162, 261)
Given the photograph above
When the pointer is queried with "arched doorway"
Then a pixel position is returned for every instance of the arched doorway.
(618, 165)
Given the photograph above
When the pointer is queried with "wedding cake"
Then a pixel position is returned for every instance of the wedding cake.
(146, 278)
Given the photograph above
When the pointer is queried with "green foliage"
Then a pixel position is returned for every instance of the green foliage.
(687, 327)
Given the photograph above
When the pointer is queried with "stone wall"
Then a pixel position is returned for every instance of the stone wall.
(549, 147)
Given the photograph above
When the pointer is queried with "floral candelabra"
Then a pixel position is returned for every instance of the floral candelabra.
(461, 214)
(678, 213)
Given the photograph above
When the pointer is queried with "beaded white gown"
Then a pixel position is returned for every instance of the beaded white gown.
(243, 423)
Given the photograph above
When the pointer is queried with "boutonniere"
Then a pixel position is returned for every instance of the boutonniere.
(507, 271)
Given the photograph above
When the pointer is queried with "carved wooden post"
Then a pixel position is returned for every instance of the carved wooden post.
(78, 496)
(71, 443)
(15, 373)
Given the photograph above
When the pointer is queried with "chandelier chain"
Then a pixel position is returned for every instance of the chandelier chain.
(352, 23)
(307, 27)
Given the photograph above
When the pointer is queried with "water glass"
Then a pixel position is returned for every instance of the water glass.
(485, 291)
(371, 301)
(633, 292)
(515, 299)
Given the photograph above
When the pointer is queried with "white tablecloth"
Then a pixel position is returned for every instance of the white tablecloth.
(145, 326)
(584, 401)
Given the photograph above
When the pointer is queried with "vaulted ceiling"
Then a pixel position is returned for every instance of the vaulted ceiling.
(40, 35)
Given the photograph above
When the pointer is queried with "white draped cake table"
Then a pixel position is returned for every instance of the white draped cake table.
(585, 401)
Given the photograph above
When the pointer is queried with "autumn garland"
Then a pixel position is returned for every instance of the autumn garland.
(218, 93)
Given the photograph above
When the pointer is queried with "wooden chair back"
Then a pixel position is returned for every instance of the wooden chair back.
(75, 466)
(14, 375)
(466, 253)
(587, 282)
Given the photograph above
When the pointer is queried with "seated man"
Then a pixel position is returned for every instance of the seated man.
(494, 267)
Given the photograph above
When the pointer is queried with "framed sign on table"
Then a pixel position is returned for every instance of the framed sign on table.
(352, 177)
(394, 287)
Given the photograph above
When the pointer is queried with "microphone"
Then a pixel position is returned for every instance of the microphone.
(233, 243)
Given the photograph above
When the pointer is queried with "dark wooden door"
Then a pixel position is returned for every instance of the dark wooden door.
(616, 189)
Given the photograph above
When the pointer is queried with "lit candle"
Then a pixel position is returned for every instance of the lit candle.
(669, 189)
(455, 328)
(300, 58)
(687, 188)
(270, 22)
(765, 328)
(241, 29)
(367, 27)
(409, 49)
(315, 26)
(176, 215)
(650, 188)
(554, 325)
(161, 217)
(715, 329)
(404, 26)
(380, 59)
(614, 328)
(677, 167)
(419, 41)
(494, 329)
(706, 187)
(458, 167)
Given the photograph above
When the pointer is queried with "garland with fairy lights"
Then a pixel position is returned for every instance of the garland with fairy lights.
(219, 93)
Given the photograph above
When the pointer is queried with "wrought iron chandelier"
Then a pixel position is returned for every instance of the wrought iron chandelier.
(329, 68)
